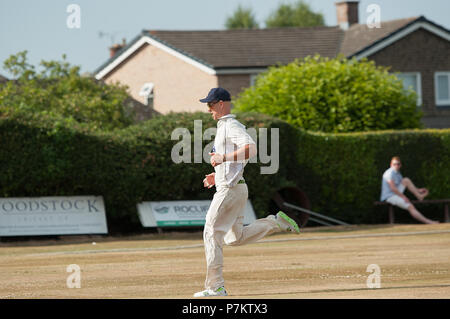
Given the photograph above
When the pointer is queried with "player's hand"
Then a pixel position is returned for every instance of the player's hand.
(216, 159)
(209, 180)
(406, 199)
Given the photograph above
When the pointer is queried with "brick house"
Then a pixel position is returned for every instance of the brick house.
(171, 70)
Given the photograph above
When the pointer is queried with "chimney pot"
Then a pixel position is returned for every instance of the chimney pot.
(116, 47)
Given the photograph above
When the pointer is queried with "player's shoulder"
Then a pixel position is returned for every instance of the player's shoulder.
(233, 122)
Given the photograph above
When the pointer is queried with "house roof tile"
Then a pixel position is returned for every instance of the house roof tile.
(252, 48)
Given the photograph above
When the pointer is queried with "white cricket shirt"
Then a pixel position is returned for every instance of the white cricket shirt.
(230, 136)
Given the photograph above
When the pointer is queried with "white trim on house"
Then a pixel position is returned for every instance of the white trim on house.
(418, 85)
(441, 102)
(148, 40)
(391, 39)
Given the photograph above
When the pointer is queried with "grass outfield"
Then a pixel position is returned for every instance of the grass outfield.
(322, 262)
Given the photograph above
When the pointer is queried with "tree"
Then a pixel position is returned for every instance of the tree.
(242, 18)
(59, 89)
(297, 15)
(333, 95)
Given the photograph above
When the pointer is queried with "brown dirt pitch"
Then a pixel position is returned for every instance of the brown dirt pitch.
(322, 262)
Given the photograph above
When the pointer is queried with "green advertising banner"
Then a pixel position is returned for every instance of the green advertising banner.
(181, 213)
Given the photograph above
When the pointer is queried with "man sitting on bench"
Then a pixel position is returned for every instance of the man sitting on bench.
(392, 187)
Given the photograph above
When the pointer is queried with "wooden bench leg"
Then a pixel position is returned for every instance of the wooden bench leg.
(391, 214)
(446, 215)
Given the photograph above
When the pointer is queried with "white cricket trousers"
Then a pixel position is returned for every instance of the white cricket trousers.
(224, 224)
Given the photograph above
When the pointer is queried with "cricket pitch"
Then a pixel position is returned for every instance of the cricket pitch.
(321, 262)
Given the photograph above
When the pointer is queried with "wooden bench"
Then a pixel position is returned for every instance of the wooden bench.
(446, 202)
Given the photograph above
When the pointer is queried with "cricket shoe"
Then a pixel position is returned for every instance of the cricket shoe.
(286, 223)
(212, 293)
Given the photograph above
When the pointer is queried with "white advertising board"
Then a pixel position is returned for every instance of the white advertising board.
(52, 216)
(181, 213)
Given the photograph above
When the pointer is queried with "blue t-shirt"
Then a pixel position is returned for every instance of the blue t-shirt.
(389, 174)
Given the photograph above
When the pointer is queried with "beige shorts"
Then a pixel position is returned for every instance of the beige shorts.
(397, 200)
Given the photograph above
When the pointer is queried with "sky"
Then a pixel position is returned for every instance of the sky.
(41, 28)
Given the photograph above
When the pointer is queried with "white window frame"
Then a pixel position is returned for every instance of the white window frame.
(436, 96)
(418, 85)
(253, 78)
(147, 92)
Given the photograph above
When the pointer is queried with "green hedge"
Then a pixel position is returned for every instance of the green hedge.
(341, 174)
(44, 157)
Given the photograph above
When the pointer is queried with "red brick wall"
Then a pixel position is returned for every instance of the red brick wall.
(427, 53)
(234, 83)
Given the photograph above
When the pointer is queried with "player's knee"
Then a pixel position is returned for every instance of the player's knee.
(212, 235)
(208, 232)
(211, 227)
(232, 242)
(406, 180)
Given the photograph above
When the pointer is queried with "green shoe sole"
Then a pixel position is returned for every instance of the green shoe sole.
(289, 220)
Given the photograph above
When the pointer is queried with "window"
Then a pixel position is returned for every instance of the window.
(147, 92)
(413, 81)
(253, 78)
(442, 88)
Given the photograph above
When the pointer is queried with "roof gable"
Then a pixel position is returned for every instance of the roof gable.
(359, 36)
(124, 53)
(360, 41)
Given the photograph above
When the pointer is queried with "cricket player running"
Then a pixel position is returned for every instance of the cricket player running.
(233, 146)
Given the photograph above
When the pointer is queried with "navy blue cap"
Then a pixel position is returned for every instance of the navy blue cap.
(217, 94)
